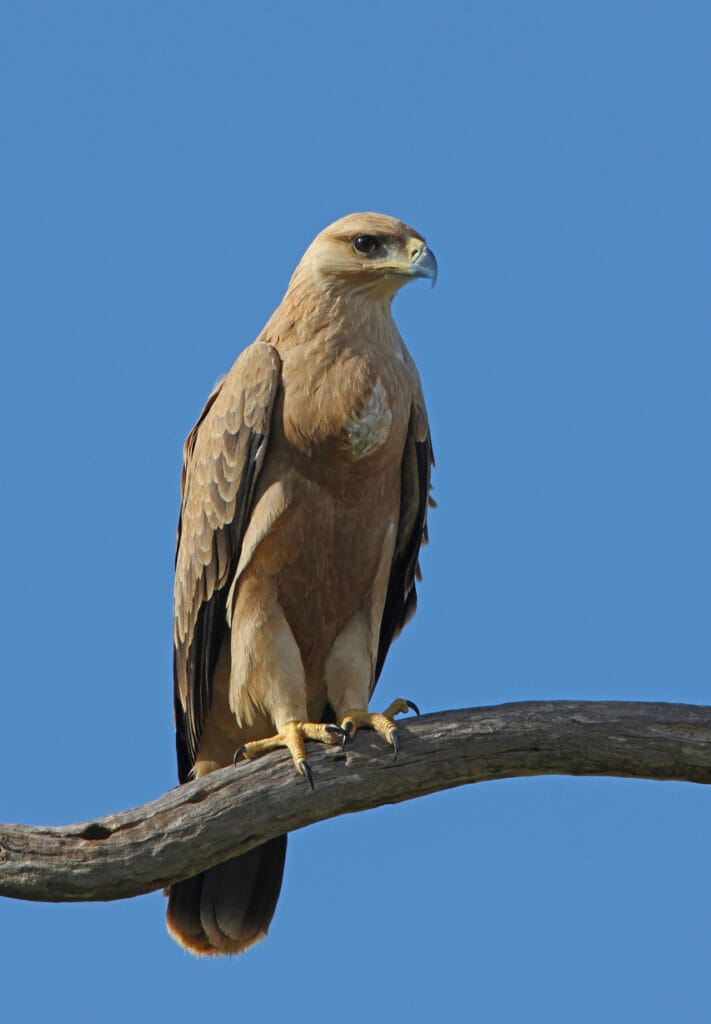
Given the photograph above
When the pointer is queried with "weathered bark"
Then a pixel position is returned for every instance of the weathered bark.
(202, 823)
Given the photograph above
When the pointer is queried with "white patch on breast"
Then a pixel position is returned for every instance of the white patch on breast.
(370, 428)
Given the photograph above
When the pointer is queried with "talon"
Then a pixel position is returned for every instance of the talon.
(336, 730)
(396, 743)
(305, 769)
(413, 707)
(237, 754)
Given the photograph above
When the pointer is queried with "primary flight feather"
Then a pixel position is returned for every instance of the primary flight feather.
(304, 504)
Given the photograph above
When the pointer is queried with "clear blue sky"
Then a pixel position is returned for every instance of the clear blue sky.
(163, 168)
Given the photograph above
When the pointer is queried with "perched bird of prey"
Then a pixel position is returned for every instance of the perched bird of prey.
(304, 501)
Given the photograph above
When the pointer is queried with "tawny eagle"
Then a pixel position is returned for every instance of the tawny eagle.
(304, 503)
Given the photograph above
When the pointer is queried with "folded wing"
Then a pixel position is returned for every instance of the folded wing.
(223, 456)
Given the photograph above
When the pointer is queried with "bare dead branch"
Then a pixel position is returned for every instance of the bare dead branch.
(202, 823)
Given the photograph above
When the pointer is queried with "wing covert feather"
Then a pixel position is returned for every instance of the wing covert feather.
(223, 455)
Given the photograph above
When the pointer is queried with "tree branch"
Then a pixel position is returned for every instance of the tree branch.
(202, 823)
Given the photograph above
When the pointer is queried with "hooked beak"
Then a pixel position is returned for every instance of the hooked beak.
(422, 261)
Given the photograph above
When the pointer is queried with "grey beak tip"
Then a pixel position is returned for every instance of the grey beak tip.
(427, 265)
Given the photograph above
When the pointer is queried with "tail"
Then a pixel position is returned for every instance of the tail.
(229, 907)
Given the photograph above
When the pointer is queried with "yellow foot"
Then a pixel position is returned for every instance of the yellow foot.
(292, 737)
(383, 724)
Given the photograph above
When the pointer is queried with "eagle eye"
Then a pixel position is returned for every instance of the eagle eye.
(366, 245)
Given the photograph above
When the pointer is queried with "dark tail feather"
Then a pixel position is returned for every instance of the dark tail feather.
(228, 908)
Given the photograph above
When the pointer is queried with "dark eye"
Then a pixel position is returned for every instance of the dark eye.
(366, 245)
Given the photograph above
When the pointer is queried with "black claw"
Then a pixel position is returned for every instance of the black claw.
(396, 743)
(413, 707)
(346, 734)
(336, 730)
(305, 769)
(238, 753)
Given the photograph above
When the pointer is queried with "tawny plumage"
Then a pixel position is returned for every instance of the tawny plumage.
(304, 503)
